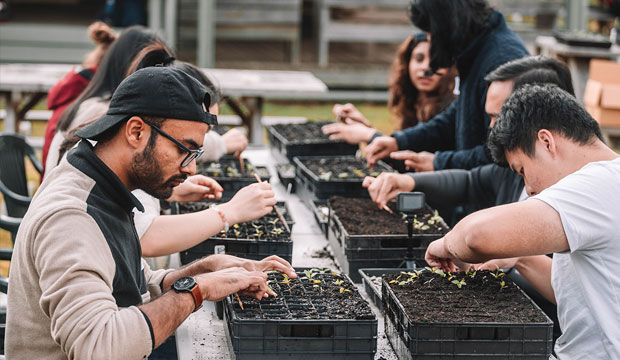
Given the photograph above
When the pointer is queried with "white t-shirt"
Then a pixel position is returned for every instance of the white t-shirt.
(586, 279)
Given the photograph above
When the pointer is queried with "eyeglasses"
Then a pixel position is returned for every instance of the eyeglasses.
(192, 154)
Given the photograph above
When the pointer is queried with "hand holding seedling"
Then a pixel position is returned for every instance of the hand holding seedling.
(418, 161)
(439, 257)
(380, 148)
(218, 284)
(498, 264)
(384, 187)
(249, 203)
(270, 263)
(350, 131)
(197, 188)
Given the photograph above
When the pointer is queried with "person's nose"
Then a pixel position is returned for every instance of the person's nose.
(190, 169)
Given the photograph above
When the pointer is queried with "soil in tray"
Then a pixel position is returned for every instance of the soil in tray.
(363, 217)
(306, 133)
(342, 168)
(432, 296)
(315, 294)
(231, 168)
(268, 228)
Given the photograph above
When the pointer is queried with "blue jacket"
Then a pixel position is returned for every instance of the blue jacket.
(458, 134)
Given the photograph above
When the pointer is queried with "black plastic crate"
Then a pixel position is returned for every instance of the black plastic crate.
(374, 292)
(433, 341)
(232, 184)
(320, 210)
(286, 174)
(311, 188)
(307, 339)
(584, 39)
(176, 208)
(285, 149)
(255, 249)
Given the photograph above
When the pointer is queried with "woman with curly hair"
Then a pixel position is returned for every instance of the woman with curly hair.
(416, 94)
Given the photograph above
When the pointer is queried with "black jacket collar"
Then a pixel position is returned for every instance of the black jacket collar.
(465, 59)
(84, 159)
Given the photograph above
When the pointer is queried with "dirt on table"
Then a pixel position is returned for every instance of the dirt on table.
(432, 296)
(363, 217)
(315, 294)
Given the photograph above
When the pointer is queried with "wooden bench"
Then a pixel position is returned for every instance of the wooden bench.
(248, 20)
(330, 29)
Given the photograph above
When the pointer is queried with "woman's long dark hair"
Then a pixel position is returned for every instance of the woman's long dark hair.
(404, 95)
(195, 72)
(453, 24)
(112, 70)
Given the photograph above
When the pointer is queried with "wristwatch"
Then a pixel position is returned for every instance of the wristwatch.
(189, 284)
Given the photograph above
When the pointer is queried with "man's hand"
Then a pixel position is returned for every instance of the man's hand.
(197, 188)
(217, 285)
(235, 141)
(222, 261)
(348, 111)
(351, 132)
(384, 187)
(249, 203)
(380, 148)
(421, 161)
(498, 264)
(439, 257)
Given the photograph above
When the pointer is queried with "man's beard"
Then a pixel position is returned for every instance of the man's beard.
(146, 174)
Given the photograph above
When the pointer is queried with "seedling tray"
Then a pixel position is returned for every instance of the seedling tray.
(312, 186)
(432, 338)
(286, 174)
(247, 244)
(320, 210)
(582, 39)
(228, 173)
(306, 322)
(307, 139)
(373, 290)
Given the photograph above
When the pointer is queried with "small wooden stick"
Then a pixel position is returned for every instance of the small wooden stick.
(386, 208)
(241, 165)
(275, 208)
(239, 300)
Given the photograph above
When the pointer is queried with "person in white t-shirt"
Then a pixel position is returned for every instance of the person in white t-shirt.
(544, 135)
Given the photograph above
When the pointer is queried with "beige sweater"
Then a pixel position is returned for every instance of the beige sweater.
(60, 303)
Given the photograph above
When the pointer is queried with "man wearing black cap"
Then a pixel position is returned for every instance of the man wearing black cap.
(79, 288)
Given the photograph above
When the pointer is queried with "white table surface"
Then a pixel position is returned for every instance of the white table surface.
(202, 335)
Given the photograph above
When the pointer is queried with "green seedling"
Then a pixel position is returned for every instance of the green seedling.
(326, 176)
(460, 283)
(343, 175)
(338, 282)
(503, 284)
(359, 173)
(342, 290)
(277, 231)
(286, 280)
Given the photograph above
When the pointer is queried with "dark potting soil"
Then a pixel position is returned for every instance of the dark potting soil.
(231, 168)
(343, 168)
(306, 133)
(363, 217)
(430, 297)
(268, 227)
(315, 294)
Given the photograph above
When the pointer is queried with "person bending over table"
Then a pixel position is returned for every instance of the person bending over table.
(573, 179)
(81, 289)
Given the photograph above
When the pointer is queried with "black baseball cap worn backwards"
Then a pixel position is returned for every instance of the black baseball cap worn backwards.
(155, 91)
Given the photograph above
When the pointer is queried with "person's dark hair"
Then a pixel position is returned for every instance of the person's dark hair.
(195, 72)
(404, 95)
(453, 24)
(534, 70)
(112, 69)
(531, 108)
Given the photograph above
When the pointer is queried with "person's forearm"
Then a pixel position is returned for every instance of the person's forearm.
(169, 234)
(537, 271)
(445, 187)
(166, 313)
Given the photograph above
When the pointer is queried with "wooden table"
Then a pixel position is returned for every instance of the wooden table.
(576, 57)
(23, 85)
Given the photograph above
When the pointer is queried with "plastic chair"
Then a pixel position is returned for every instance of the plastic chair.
(13, 184)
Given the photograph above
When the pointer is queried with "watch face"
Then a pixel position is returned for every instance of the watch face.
(184, 284)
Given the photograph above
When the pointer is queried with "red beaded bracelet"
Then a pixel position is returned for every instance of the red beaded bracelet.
(222, 216)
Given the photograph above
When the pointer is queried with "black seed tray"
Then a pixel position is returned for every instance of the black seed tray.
(374, 292)
(248, 248)
(227, 173)
(582, 39)
(286, 174)
(189, 207)
(321, 217)
(434, 341)
(274, 337)
(319, 144)
(311, 188)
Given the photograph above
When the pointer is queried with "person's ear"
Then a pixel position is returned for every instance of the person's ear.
(136, 132)
(548, 142)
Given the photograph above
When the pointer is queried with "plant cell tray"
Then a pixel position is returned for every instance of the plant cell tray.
(582, 39)
(320, 210)
(432, 339)
(318, 178)
(304, 321)
(373, 289)
(286, 174)
(306, 139)
(243, 241)
(228, 173)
